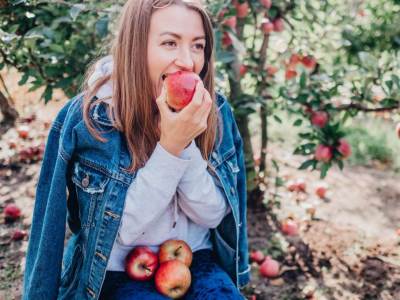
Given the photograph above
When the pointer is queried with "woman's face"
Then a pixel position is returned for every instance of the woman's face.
(176, 42)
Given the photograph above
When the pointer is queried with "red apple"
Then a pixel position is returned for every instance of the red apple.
(398, 130)
(141, 263)
(180, 87)
(319, 118)
(23, 131)
(267, 26)
(18, 235)
(309, 61)
(279, 25)
(226, 39)
(266, 3)
(12, 212)
(323, 153)
(175, 249)
(344, 148)
(257, 256)
(271, 70)
(301, 185)
(231, 22)
(321, 192)
(242, 10)
(242, 70)
(269, 268)
(173, 279)
(289, 74)
(294, 59)
(290, 227)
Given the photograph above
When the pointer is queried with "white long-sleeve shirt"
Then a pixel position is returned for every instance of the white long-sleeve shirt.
(171, 198)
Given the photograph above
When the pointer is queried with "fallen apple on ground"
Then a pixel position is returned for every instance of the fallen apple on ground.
(257, 256)
(269, 268)
(141, 263)
(173, 279)
(11, 212)
(180, 86)
(175, 249)
(290, 227)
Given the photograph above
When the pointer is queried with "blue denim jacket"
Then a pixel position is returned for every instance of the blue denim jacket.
(83, 182)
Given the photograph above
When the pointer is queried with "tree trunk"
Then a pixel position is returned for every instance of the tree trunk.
(10, 114)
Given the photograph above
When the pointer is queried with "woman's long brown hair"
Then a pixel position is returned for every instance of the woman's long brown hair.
(133, 110)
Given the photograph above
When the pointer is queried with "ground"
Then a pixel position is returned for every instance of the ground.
(347, 247)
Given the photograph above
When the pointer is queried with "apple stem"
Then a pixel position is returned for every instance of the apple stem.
(177, 250)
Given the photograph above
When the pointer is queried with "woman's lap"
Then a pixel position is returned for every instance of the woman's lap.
(209, 281)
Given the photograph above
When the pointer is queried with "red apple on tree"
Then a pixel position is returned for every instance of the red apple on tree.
(289, 74)
(279, 25)
(344, 148)
(141, 263)
(309, 61)
(173, 279)
(242, 9)
(267, 26)
(257, 256)
(269, 268)
(398, 130)
(319, 118)
(175, 249)
(323, 153)
(226, 39)
(271, 70)
(242, 70)
(180, 87)
(231, 22)
(266, 3)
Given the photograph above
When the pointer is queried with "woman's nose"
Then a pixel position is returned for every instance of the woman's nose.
(184, 59)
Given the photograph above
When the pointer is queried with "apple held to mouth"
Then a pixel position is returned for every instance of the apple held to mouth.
(141, 263)
(173, 279)
(175, 249)
(180, 86)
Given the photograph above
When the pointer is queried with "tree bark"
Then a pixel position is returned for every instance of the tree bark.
(10, 114)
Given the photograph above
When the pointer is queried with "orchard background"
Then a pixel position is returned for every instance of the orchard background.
(315, 87)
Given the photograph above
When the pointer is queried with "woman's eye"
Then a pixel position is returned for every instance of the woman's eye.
(200, 46)
(169, 43)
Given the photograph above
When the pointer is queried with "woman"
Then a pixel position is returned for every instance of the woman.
(123, 169)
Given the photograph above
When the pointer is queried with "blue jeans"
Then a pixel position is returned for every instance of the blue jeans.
(209, 281)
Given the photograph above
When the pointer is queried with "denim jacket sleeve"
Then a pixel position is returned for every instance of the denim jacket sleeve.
(47, 233)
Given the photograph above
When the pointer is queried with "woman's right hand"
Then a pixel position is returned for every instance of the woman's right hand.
(178, 129)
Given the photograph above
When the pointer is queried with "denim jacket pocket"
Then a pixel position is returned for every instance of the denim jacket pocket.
(90, 184)
(69, 278)
(226, 255)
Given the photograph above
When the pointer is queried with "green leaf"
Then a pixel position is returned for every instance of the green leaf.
(277, 119)
(340, 164)
(324, 170)
(48, 94)
(298, 122)
(76, 10)
(307, 164)
(276, 166)
(303, 80)
(102, 27)
(24, 78)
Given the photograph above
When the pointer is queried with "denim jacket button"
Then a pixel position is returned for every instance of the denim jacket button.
(85, 181)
